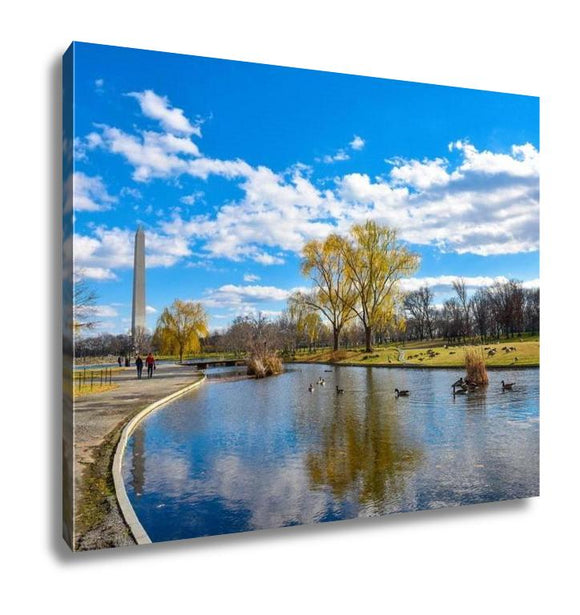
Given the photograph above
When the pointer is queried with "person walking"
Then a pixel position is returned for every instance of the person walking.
(150, 360)
(120, 361)
(139, 364)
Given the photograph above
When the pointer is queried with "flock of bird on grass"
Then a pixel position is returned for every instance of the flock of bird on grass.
(460, 387)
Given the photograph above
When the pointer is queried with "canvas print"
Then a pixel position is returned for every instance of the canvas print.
(291, 296)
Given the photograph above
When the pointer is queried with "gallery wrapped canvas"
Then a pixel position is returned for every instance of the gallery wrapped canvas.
(291, 296)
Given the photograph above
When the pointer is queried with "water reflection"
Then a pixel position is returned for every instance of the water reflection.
(241, 455)
(362, 449)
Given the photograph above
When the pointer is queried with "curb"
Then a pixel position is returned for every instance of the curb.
(137, 530)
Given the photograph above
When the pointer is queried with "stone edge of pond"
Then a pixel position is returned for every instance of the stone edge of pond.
(137, 530)
(410, 365)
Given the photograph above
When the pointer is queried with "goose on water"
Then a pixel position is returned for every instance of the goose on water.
(458, 383)
(507, 386)
(339, 391)
(311, 387)
(402, 393)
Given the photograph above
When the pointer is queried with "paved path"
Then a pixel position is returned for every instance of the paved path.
(96, 416)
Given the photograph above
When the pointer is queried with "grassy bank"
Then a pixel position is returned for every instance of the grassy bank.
(434, 353)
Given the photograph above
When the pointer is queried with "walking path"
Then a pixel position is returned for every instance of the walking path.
(98, 421)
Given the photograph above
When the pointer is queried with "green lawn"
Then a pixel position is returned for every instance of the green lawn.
(433, 353)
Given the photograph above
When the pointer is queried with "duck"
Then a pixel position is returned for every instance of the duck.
(339, 391)
(402, 393)
(507, 386)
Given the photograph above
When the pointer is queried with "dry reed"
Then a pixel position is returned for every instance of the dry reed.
(269, 365)
(475, 365)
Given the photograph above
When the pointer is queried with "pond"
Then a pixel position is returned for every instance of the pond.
(240, 455)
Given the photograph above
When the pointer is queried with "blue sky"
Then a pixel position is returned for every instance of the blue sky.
(231, 167)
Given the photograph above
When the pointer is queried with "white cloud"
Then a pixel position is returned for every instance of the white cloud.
(171, 118)
(150, 309)
(488, 204)
(357, 143)
(445, 282)
(251, 277)
(522, 162)
(112, 248)
(131, 192)
(245, 298)
(191, 199)
(104, 311)
(532, 283)
(482, 203)
(338, 156)
(90, 193)
(98, 273)
(421, 175)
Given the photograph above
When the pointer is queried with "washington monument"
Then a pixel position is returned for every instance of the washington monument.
(138, 316)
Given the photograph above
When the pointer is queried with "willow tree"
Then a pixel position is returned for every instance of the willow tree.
(180, 328)
(323, 261)
(375, 262)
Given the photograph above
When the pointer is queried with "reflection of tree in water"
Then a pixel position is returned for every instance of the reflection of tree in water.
(363, 450)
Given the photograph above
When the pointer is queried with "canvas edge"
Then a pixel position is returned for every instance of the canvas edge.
(67, 297)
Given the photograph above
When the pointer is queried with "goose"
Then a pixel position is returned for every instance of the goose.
(459, 391)
(339, 391)
(402, 393)
(507, 386)
(458, 383)
(311, 387)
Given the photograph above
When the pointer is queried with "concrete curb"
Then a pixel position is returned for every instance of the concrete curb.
(138, 531)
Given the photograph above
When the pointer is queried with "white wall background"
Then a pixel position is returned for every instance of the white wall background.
(508, 558)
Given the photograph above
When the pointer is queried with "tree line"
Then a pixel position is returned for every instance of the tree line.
(355, 299)
(502, 310)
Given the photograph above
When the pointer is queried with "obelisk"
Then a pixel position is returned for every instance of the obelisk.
(138, 316)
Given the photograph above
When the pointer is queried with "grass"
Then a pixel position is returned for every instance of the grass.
(85, 388)
(432, 353)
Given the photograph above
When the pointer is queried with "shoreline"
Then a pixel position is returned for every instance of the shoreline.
(409, 365)
(129, 515)
(99, 421)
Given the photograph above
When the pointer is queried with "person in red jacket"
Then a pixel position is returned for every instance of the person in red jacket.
(150, 361)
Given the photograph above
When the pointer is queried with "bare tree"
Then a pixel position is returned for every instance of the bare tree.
(84, 306)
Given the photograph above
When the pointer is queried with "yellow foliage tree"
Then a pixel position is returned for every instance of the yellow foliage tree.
(375, 262)
(180, 328)
(332, 294)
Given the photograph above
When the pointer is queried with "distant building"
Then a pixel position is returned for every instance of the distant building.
(138, 316)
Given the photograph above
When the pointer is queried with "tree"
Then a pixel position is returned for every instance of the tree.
(460, 289)
(375, 262)
(84, 306)
(418, 304)
(180, 327)
(333, 293)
